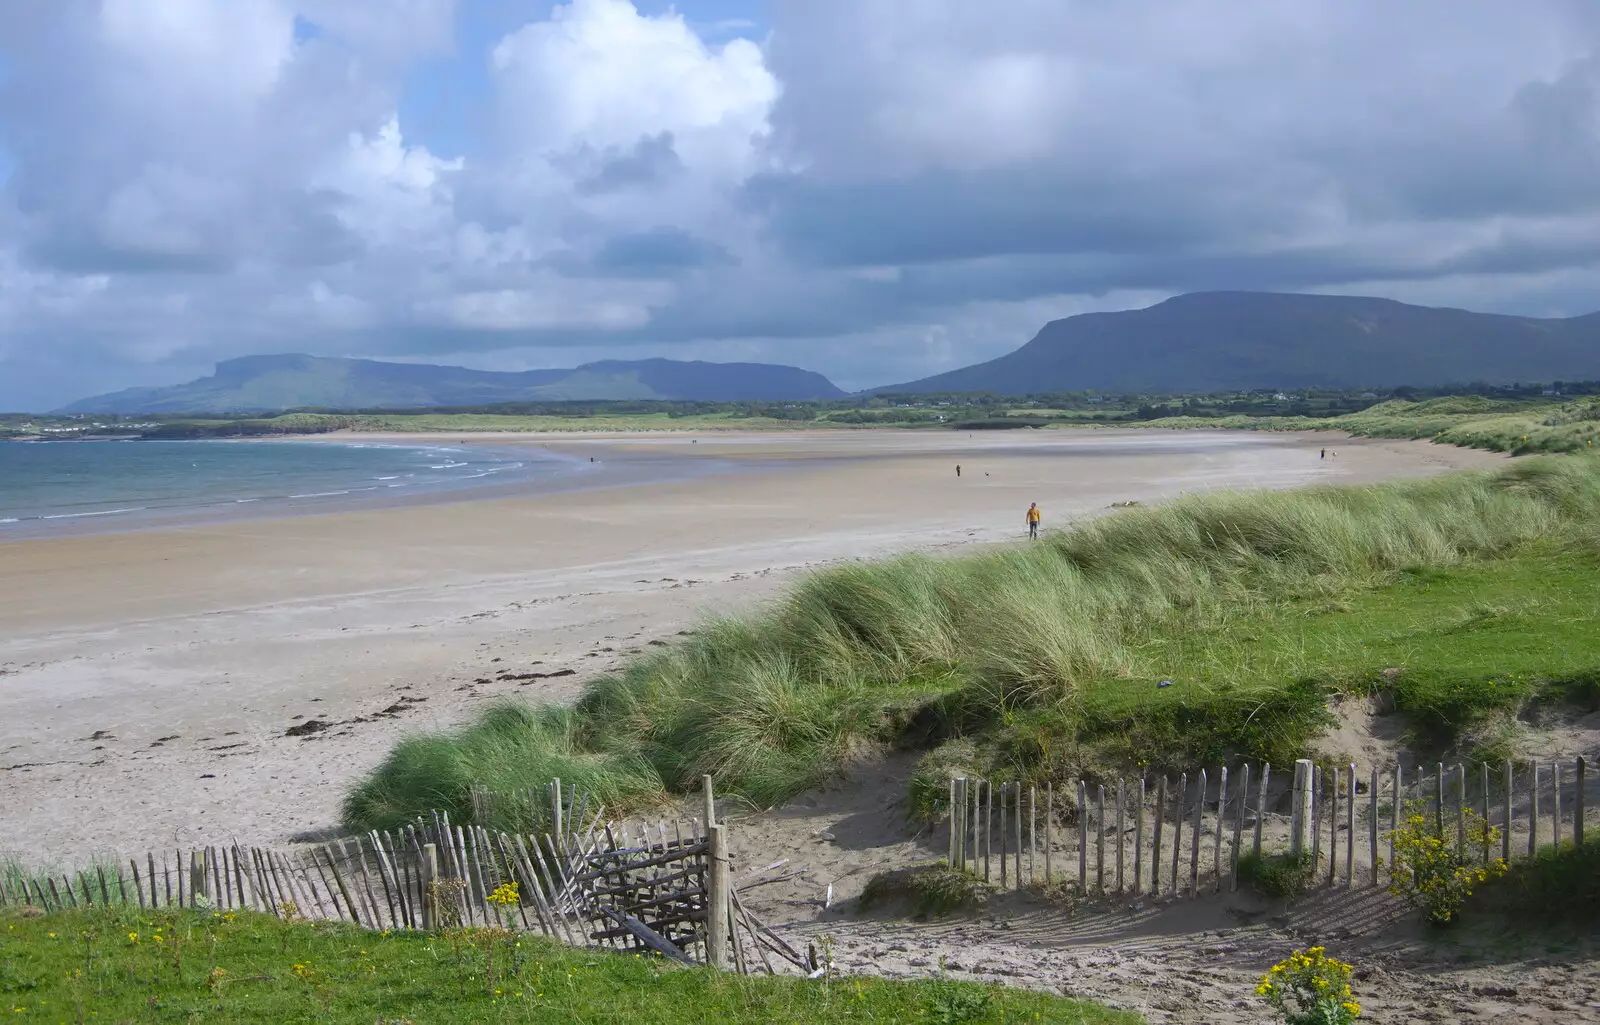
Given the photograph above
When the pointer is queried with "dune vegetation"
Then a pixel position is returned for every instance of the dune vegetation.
(1517, 426)
(1464, 596)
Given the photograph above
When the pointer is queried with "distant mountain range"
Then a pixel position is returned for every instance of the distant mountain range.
(260, 384)
(1226, 341)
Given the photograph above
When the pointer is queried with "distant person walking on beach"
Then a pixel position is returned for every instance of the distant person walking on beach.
(1034, 515)
(1324, 453)
(958, 469)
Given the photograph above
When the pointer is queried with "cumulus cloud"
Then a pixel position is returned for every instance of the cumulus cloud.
(878, 189)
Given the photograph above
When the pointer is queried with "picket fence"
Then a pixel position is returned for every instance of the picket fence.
(584, 880)
(1129, 836)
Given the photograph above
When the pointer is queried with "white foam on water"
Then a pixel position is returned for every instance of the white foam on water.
(100, 512)
(320, 494)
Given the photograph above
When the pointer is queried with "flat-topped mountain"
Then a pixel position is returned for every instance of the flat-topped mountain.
(1226, 341)
(254, 384)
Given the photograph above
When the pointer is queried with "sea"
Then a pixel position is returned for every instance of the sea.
(55, 487)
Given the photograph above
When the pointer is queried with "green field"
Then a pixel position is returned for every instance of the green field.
(1463, 596)
(126, 965)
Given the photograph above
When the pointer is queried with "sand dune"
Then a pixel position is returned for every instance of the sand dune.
(148, 680)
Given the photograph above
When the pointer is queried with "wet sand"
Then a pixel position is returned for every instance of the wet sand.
(147, 680)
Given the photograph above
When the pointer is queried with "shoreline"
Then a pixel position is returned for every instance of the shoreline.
(148, 680)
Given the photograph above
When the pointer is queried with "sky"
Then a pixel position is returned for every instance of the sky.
(874, 189)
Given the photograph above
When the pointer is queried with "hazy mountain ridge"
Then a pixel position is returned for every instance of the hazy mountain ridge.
(252, 384)
(1225, 341)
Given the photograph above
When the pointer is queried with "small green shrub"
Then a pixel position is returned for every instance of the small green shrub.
(1279, 876)
(931, 890)
(1558, 886)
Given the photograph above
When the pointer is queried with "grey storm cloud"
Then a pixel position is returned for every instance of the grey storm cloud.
(875, 187)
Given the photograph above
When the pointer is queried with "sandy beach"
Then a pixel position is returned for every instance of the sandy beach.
(148, 680)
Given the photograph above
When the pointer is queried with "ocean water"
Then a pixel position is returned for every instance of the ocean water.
(59, 487)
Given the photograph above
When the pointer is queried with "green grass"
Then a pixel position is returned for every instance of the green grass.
(108, 965)
(1279, 876)
(1520, 427)
(1042, 661)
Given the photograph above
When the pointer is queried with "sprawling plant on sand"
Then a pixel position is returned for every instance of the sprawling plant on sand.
(1310, 988)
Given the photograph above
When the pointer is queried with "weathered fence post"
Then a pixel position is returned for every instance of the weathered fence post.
(949, 857)
(1300, 814)
(1049, 823)
(1100, 844)
(1083, 839)
(1177, 833)
(1261, 808)
(1138, 841)
(1555, 802)
(717, 907)
(1533, 811)
(1505, 834)
(1238, 828)
(1194, 843)
(1122, 789)
(430, 889)
(1372, 823)
(1155, 840)
(1216, 847)
(1578, 805)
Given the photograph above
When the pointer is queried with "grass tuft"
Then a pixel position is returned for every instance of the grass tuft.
(932, 891)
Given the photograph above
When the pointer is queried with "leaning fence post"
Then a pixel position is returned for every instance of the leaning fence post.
(1177, 832)
(717, 911)
(1300, 814)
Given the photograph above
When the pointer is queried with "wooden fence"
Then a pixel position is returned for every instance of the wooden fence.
(587, 881)
(1186, 836)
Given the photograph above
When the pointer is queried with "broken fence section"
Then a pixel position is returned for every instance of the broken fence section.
(585, 880)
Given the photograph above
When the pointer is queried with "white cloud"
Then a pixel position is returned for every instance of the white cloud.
(879, 189)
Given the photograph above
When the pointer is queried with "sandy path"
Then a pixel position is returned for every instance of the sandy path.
(147, 679)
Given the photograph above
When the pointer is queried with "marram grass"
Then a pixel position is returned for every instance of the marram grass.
(1044, 654)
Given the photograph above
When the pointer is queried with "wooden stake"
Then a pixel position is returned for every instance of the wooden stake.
(1216, 847)
(1033, 833)
(1533, 811)
(1155, 852)
(1350, 830)
(1261, 808)
(1316, 818)
(1004, 870)
(1194, 843)
(1333, 828)
(1438, 801)
(1083, 839)
(988, 826)
(950, 854)
(1578, 803)
(1555, 802)
(1177, 831)
(1300, 815)
(1050, 822)
(1016, 828)
(1395, 814)
(717, 904)
(1372, 821)
(1238, 828)
(1122, 787)
(1138, 841)
(709, 799)
(430, 895)
(1505, 834)
(1100, 844)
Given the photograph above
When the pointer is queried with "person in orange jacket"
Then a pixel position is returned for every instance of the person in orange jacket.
(1034, 516)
